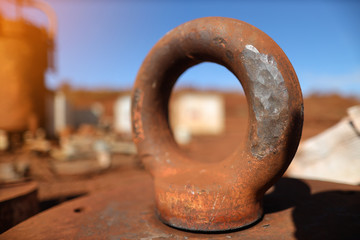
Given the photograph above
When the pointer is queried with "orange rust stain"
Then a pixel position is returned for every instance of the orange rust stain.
(138, 126)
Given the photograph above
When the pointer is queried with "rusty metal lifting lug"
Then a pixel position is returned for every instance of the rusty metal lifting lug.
(227, 194)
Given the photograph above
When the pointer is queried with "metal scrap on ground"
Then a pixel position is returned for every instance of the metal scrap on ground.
(333, 155)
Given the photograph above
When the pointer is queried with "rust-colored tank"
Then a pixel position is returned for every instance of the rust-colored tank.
(25, 51)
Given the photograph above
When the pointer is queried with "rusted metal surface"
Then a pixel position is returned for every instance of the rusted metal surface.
(18, 202)
(294, 209)
(227, 194)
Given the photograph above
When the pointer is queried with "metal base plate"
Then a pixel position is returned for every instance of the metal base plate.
(294, 209)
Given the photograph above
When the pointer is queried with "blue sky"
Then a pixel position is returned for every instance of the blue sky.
(102, 43)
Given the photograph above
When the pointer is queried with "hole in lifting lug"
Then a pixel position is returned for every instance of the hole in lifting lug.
(208, 120)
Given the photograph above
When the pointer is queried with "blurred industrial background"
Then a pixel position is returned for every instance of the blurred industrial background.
(67, 67)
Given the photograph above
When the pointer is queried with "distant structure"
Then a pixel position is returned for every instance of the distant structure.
(62, 112)
(26, 53)
(122, 116)
(197, 114)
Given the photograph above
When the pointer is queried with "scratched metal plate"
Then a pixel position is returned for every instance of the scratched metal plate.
(294, 209)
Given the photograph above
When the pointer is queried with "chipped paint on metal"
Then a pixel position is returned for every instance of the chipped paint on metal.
(270, 100)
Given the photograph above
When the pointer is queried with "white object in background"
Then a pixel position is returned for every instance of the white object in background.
(333, 155)
(62, 112)
(182, 135)
(354, 114)
(103, 153)
(122, 115)
(199, 114)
